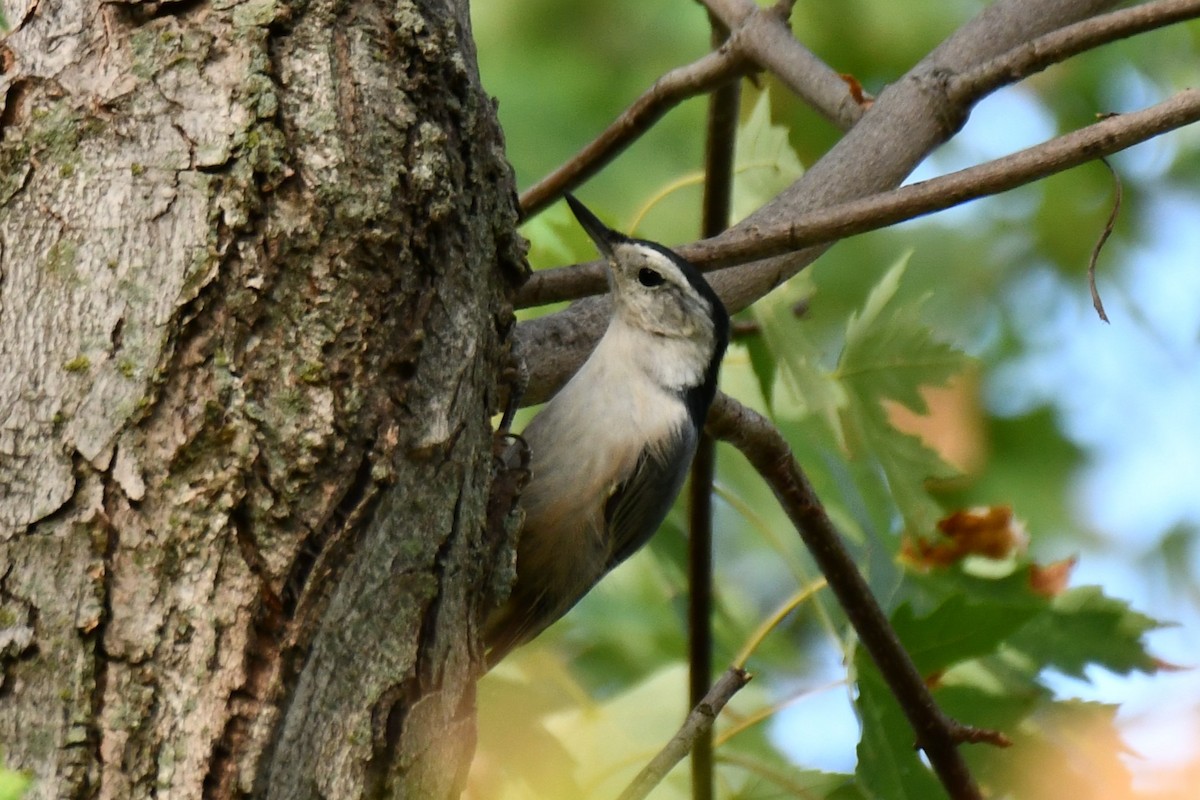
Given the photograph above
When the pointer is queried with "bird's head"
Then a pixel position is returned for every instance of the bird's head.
(655, 290)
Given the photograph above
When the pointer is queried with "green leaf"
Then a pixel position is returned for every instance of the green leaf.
(1084, 627)
(881, 294)
(1010, 590)
(744, 774)
(763, 363)
(961, 628)
(799, 385)
(987, 708)
(889, 355)
(850, 790)
(905, 460)
(889, 767)
(764, 162)
(555, 238)
(994, 637)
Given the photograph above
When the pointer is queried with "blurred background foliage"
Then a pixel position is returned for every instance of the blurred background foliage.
(972, 329)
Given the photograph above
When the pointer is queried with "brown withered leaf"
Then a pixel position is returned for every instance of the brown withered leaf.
(857, 93)
(1052, 579)
(988, 531)
(925, 554)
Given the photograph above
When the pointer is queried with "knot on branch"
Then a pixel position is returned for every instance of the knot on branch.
(938, 84)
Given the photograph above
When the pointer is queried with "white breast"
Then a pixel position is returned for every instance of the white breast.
(588, 439)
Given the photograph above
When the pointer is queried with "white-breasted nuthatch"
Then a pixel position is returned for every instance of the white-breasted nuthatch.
(610, 451)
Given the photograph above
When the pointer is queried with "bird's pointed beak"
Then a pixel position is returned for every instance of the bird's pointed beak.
(601, 235)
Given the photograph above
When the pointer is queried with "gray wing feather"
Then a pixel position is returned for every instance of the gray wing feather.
(632, 513)
(641, 502)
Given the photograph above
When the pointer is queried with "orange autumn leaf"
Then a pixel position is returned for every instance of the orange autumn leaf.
(953, 427)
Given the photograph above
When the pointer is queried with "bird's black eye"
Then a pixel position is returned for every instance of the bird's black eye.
(650, 278)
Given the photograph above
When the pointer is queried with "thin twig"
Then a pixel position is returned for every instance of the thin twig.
(719, 152)
(771, 456)
(701, 719)
(753, 242)
(761, 39)
(1059, 45)
(1097, 140)
(1104, 234)
(714, 69)
(700, 605)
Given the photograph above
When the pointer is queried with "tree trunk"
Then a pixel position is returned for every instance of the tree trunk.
(254, 261)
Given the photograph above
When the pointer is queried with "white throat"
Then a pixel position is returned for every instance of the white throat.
(670, 363)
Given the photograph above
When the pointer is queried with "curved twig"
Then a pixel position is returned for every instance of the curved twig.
(710, 72)
(1097, 303)
(760, 39)
(700, 720)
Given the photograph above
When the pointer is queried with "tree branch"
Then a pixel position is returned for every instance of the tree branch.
(767, 39)
(700, 720)
(1034, 56)
(760, 38)
(824, 225)
(769, 453)
(870, 158)
(1098, 140)
(715, 69)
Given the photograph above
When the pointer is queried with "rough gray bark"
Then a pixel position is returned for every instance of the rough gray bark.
(253, 268)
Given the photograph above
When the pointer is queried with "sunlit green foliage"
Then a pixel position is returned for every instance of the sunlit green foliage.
(13, 784)
(842, 354)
